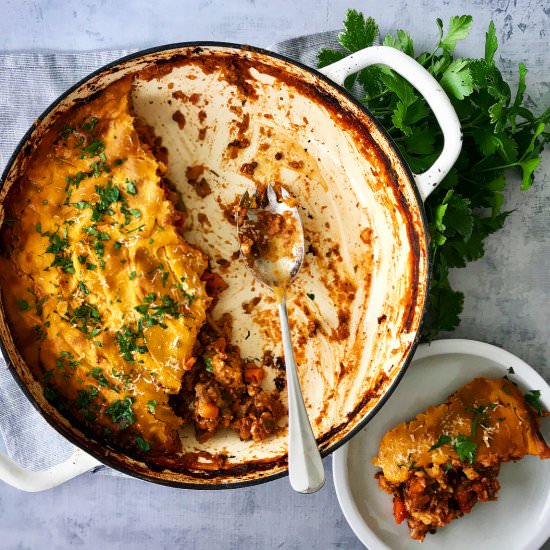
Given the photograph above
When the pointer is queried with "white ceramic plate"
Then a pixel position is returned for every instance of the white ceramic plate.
(519, 519)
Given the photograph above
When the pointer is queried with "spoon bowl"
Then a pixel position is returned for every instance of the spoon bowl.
(271, 235)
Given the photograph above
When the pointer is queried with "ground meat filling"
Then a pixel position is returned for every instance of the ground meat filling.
(427, 504)
(269, 235)
(223, 390)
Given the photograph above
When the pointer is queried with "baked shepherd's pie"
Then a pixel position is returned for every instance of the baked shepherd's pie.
(445, 460)
(108, 302)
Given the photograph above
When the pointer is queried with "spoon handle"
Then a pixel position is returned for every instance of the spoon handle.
(305, 467)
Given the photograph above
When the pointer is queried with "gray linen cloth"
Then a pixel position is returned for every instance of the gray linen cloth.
(29, 82)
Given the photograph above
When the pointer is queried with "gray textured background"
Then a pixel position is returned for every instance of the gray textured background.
(506, 292)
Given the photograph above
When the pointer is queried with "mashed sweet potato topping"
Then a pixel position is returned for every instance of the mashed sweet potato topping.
(105, 297)
(438, 465)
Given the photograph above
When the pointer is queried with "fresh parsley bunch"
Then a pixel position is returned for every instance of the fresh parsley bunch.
(500, 133)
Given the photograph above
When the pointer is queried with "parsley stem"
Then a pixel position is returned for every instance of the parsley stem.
(501, 167)
(380, 111)
(374, 97)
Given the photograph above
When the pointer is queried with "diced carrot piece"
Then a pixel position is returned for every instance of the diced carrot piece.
(254, 375)
(207, 410)
(399, 510)
(190, 362)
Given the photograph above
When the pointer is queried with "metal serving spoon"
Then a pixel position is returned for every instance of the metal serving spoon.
(274, 252)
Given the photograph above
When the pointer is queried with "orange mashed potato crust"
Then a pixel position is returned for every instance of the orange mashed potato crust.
(104, 296)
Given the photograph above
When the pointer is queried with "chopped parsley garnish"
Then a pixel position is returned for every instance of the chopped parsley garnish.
(50, 394)
(154, 314)
(67, 363)
(533, 400)
(132, 275)
(74, 181)
(99, 167)
(123, 377)
(38, 228)
(128, 343)
(38, 303)
(99, 249)
(94, 232)
(151, 404)
(66, 264)
(443, 440)
(310, 296)
(511, 370)
(97, 373)
(208, 364)
(131, 187)
(117, 245)
(39, 332)
(58, 247)
(108, 195)
(89, 125)
(142, 444)
(462, 444)
(465, 448)
(480, 415)
(85, 397)
(95, 148)
(81, 205)
(121, 412)
(85, 318)
(23, 305)
(83, 288)
(188, 297)
(66, 131)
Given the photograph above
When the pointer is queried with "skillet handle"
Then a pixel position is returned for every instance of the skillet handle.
(433, 93)
(27, 480)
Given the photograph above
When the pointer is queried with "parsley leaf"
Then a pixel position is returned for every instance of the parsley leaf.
(443, 440)
(85, 318)
(23, 305)
(128, 342)
(500, 134)
(491, 43)
(121, 412)
(131, 187)
(142, 444)
(94, 148)
(457, 79)
(459, 28)
(465, 448)
(83, 288)
(358, 32)
(533, 400)
(480, 415)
